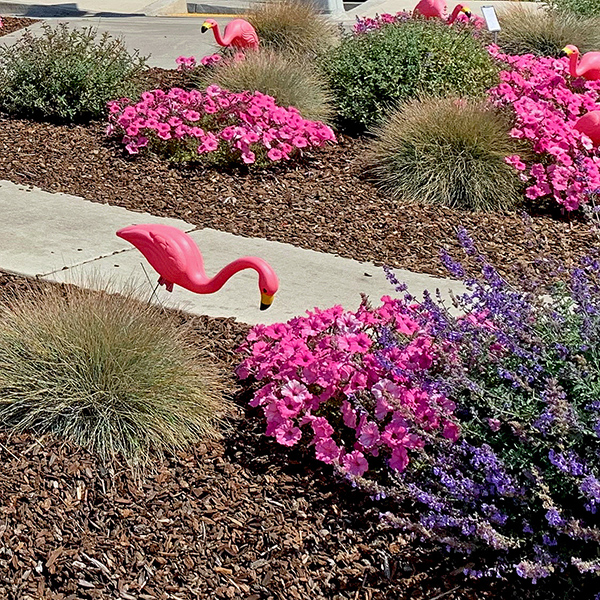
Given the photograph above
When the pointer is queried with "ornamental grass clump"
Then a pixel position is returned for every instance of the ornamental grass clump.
(290, 79)
(371, 73)
(106, 372)
(446, 151)
(215, 126)
(66, 75)
(546, 103)
(546, 33)
(292, 26)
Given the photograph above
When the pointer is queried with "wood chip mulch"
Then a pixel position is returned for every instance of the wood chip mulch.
(325, 203)
(12, 24)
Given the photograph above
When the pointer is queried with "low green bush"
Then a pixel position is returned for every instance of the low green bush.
(107, 372)
(446, 151)
(546, 33)
(370, 73)
(65, 75)
(292, 25)
(288, 78)
(584, 8)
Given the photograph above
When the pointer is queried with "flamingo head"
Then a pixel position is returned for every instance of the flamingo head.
(208, 24)
(465, 10)
(268, 284)
(568, 50)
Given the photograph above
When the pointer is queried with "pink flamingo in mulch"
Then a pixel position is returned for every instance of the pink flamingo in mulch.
(175, 257)
(437, 9)
(589, 125)
(587, 67)
(238, 34)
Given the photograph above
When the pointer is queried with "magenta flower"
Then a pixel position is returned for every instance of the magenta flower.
(326, 450)
(287, 434)
(355, 463)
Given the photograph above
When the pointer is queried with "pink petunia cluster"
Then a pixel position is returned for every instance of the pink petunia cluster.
(369, 24)
(185, 63)
(546, 104)
(211, 60)
(351, 384)
(230, 127)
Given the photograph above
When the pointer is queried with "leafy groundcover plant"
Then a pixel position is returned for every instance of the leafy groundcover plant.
(215, 125)
(66, 75)
(477, 429)
(371, 72)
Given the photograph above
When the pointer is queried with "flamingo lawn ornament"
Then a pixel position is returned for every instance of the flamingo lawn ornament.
(436, 9)
(238, 33)
(176, 258)
(588, 66)
(589, 125)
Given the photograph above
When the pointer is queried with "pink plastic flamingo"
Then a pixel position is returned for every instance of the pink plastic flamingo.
(176, 258)
(588, 67)
(238, 33)
(436, 9)
(589, 125)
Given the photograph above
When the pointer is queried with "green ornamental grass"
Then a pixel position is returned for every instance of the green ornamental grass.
(106, 372)
(546, 33)
(446, 151)
(292, 26)
(289, 78)
(66, 75)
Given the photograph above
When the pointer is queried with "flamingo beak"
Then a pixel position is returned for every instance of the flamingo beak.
(205, 27)
(565, 52)
(265, 301)
(467, 12)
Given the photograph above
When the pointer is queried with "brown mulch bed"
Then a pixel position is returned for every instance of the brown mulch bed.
(12, 24)
(324, 204)
(237, 519)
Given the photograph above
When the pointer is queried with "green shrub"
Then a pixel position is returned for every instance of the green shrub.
(65, 75)
(292, 25)
(446, 151)
(370, 73)
(583, 8)
(290, 79)
(109, 373)
(546, 33)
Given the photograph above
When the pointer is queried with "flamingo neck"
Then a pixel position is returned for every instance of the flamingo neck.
(454, 14)
(218, 37)
(573, 58)
(201, 285)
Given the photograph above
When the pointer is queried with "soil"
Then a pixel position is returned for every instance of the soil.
(12, 24)
(325, 203)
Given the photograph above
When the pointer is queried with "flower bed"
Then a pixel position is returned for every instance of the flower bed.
(223, 126)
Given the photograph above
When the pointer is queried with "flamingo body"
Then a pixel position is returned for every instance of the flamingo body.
(431, 9)
(588, 66)
(238, 33)
(589, 125)
(173, 254)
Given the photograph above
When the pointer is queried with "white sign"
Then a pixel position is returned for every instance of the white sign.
(491, 19)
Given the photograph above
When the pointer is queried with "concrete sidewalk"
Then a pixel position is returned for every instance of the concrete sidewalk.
(161, 39)
(68, 239)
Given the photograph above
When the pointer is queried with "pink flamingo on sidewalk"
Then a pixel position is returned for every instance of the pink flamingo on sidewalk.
(178, 261)
(589, 125)
(588, 67)
(238, 33)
